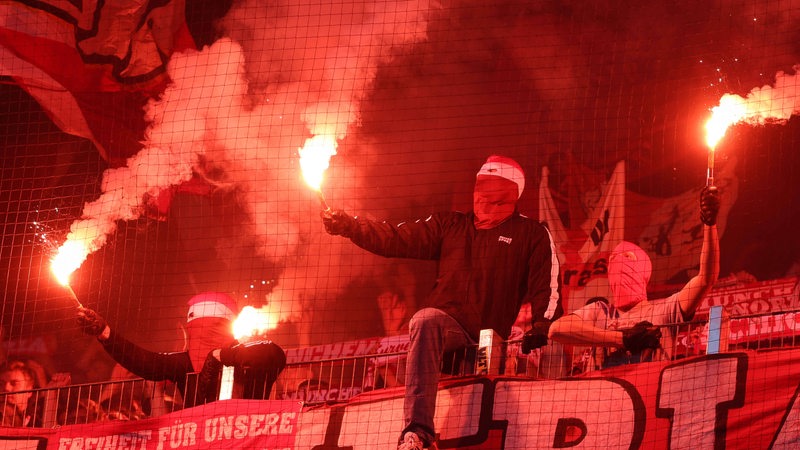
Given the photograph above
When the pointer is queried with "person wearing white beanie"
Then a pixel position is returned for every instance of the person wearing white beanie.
(209, 344)
(490, 261)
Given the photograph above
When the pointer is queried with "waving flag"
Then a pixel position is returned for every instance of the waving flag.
(92, 68)
(584, 251)
(670, 231)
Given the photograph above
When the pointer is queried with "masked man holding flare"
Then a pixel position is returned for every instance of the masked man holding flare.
(629, 321)
(490, 261)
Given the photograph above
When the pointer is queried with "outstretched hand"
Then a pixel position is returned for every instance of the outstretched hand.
(709, 205)
(338, 222)
(642, 336)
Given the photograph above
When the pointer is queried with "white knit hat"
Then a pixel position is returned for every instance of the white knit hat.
(504, 167)
(212, 304)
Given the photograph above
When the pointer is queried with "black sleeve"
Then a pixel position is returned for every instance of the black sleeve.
(147, 364)
(421, 239)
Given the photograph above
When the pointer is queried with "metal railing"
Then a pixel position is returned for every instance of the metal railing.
(339, 379)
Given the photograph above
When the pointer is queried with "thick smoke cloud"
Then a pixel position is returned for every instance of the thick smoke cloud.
(418, 94)
(236, 113)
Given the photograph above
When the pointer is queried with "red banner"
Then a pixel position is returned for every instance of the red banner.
(742, 400)
(223, 424)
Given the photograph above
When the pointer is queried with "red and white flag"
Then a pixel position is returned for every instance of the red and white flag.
(93, 65)
(670, 231)
(584, 251)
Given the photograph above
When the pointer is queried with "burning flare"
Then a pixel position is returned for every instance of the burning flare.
(315, 157)
(766, 104)
(253, 322)
(69, 257)
(732, 109)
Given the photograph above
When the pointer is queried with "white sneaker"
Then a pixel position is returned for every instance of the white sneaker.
(410, 442)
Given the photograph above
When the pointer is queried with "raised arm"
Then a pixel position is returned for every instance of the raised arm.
(690, 296)
(142, 362)
(420, 239)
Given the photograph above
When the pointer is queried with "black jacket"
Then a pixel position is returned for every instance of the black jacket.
(484, 276)
(157, 366)
(253, 380)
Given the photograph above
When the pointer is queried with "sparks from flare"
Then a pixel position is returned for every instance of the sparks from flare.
(315, 157)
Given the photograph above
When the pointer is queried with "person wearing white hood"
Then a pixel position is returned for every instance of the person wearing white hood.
(210, 344)
(629, 321)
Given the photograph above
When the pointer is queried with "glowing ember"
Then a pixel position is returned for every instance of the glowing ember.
(253, 322)
(315, 158)
(70, 256)
(732, 109)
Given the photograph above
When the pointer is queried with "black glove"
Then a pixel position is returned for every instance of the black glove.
(709, 205)
(253, 355)
(536, 337)
(90, 322)
(338, 223)
(643, 335)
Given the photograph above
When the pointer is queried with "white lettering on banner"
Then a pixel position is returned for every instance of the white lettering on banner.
(765, 327)
(314, 395)
(696, 402)
(766, 296)
(177, 435)
(331, 351)
(569, 413)
(696, 396)
(252, 425)
(128, 441)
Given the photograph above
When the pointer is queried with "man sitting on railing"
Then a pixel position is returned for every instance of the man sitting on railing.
(489, 262)
(629, 322)
(210, 344)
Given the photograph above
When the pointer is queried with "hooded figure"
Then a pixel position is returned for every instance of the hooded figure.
(632, 327)
(629, 270)
(210, 344)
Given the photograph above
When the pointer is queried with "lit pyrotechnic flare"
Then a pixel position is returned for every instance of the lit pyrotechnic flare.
(249, 324)
(732, 109)
(253, 322)
(69, 257)
(773, 104)
(315, 157)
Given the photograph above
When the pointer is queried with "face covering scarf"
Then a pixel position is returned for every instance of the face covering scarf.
(493, 201)
(205, 335)
(629, 270)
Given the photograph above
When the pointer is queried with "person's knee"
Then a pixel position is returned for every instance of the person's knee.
(425, 318)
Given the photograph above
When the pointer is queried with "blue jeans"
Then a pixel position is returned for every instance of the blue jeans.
(432, 332)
